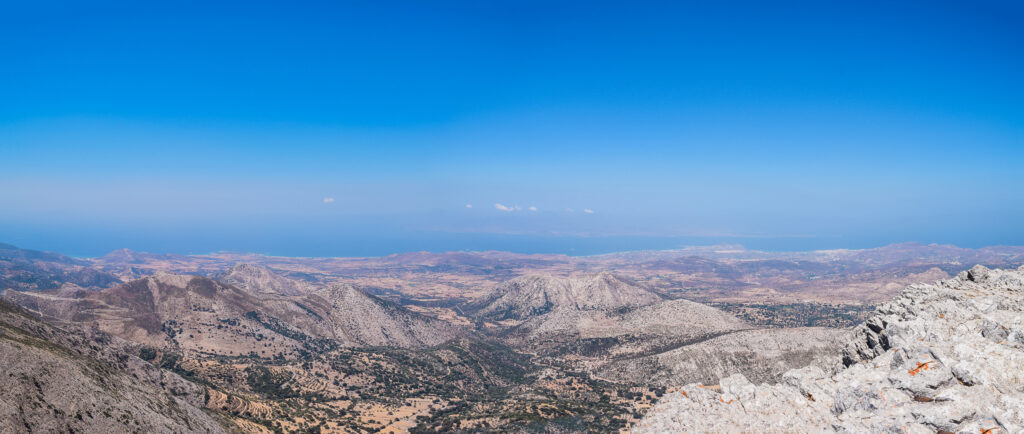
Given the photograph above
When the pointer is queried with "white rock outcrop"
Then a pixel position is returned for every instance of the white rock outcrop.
(945, 357)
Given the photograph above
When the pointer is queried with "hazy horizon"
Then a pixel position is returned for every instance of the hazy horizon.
(570, 246)
(367, 129)
(836, 168)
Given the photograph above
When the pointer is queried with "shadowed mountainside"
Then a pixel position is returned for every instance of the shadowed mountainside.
(31, 270)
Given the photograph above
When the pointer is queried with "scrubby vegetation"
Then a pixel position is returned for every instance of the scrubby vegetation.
(463, 385)
(799, 314)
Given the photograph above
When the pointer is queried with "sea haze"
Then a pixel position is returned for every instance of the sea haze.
(297, 242)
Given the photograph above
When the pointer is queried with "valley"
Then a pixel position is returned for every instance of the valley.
(469, 341)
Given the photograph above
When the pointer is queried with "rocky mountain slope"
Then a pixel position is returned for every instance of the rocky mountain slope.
(367, 320)
(259, 279)
(190, 313)
(199, 314)
(355, 316)
(944, 357)
(760, 355)
(529, 296)
(590, 320)
(32, 270)
(70, 380)
(599, 306)
(628, 331)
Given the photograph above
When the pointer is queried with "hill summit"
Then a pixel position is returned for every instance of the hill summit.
(533, 295)
(944, 357)
(257, 279)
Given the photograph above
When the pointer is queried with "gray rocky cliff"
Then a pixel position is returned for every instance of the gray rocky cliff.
(944, 357)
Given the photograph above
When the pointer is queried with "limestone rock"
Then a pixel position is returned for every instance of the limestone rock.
(944, 357)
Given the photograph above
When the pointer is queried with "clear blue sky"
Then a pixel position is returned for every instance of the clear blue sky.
(353, 128)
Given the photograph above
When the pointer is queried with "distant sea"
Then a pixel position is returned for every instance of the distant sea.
(95, 243)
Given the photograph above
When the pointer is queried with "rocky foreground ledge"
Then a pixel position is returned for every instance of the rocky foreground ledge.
(946, 357)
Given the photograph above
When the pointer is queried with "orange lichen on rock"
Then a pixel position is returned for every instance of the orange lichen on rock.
(921, 366)
(992, 430)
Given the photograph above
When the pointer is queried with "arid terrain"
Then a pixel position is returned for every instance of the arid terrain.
(428, 342)
(729, 275)
(511, 217)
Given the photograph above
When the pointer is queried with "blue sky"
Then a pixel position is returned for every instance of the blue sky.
(194, 127)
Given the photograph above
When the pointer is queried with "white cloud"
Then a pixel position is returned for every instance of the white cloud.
(501, 207)
(328, 200)
(532, 208)
(468, 206)
(588, 210)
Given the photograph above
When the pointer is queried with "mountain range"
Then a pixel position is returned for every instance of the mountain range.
(201, 314)
(449, 342)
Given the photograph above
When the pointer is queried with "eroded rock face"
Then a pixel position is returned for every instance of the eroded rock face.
(82, 380)
(945, 357)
